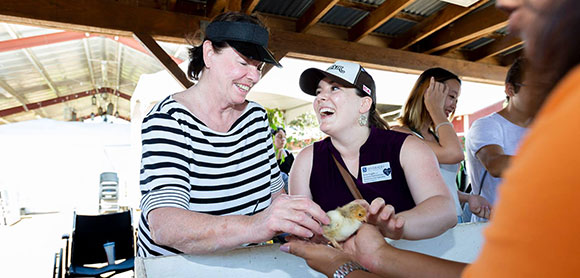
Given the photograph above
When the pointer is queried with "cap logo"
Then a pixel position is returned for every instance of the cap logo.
(366, 89)
(336, 67)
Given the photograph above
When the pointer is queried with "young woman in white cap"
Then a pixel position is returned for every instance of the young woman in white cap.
(209, 177)
(398, 174)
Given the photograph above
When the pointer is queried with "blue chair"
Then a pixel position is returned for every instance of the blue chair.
(87, 253)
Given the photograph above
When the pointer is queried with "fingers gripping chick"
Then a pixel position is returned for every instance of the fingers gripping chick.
(344, 221)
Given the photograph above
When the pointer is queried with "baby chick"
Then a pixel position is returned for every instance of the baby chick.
(344, 221)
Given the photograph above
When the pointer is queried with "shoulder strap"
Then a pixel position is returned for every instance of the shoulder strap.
(347, 178)
(482, 179)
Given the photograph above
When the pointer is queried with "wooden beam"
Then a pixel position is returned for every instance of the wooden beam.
(234, 5)
(104, 17)
(509, 59)
(432, 24)
(249, 6)
(215, 7)
(316, 11)
(329, 50)
(369, 8)
(170, 65)
(57, 100)
(378, 17)
(454, 50)
(170, 5)
(494, 48)
(466, 28)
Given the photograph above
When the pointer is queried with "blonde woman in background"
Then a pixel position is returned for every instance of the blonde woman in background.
(426, 115)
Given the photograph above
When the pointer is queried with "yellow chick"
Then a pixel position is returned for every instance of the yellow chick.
(344, 221)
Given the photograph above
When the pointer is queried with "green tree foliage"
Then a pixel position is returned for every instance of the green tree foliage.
(275, 118)
(299, 131)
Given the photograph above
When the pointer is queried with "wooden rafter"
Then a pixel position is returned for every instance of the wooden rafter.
(378, 17)
(494, 48)
(369, 8)
(249, 6)
(310, 47)
(161, 56)
(316, 11)
(432, 24)
(215, 7)
(507, 60)
(112, 18)
(103, 17)
(448, 52)
(466, 28)
(234, 5)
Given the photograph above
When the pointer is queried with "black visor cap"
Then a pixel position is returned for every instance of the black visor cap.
(255, 52)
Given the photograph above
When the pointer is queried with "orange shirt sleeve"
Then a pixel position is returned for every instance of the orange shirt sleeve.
(535, 230)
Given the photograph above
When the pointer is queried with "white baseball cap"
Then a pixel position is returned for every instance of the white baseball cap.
(348, 74)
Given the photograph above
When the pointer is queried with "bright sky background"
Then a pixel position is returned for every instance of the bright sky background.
(392, 87)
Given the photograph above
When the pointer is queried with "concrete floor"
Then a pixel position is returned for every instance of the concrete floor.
(27, 247)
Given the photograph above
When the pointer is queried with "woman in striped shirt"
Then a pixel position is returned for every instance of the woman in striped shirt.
(209, 177)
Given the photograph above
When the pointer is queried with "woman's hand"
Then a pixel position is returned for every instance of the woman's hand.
(384, 217)
(294, 214)
(435, 96)
(320, 257)
(479, 206)
(367, 247)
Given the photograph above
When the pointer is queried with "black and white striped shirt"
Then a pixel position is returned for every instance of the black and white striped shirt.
(187, 165)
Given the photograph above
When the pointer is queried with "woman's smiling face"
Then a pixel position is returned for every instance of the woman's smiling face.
(335, 106)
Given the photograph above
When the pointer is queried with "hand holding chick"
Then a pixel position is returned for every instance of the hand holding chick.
(344, 221)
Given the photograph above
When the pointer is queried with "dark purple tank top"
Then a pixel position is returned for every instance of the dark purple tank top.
(328, 188)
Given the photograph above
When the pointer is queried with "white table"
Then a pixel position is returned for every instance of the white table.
(461, 243)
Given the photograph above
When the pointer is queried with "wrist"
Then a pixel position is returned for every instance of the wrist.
(346, 268)
(441, 125)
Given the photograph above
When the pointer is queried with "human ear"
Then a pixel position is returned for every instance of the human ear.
(365, 105)
(208, 53)
(510, 90)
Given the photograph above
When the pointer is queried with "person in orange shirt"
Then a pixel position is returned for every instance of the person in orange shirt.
(535, 228)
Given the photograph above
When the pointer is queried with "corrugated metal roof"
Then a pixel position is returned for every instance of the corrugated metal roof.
(343, 16)
(370, 2)
(395, 26)
(285, 8)
(477, 43)
(512, 50)
(490, 3)
(425, 7)
(502, 31)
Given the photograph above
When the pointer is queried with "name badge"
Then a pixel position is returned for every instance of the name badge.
(376, 172)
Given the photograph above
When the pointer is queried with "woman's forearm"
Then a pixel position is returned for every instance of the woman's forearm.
(198, 233)
(429, 218)
(393, 262)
